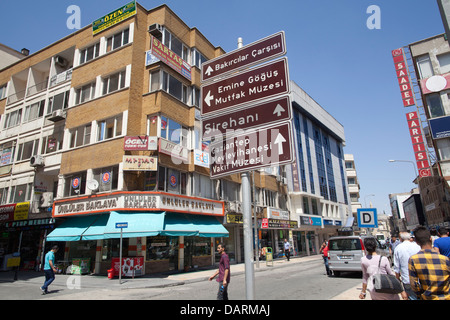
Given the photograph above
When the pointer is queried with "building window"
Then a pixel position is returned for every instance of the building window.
(85, 93)
(320, 164)
(89, 53)
(4, 195)
(443, 146)
(20, 193)
(6, 153)
(57, 102)
(80, 136)
(435, 105)
(424, 66)
(27, 149)
(173, 131)
(114, 82)
(107, 178)
(203, 186)
(75, 184)
(3, 92)
(171, 180)
(53, 142)
(174, 44)
(444, 62)
(197, 58)
(34, 111)
(161, 80)
(13, 119)
(109, 128)
(118, 40)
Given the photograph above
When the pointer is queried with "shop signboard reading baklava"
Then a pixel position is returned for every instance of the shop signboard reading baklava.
(137, 201)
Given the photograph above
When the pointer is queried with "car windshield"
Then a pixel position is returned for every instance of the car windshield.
(344, 244)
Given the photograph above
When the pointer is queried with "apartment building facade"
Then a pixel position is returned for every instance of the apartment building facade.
(103, 127)
(431, 62)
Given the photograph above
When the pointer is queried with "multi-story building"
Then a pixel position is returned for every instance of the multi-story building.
(103, 126)
(431, 62)
(318, 189)
(353, 184)
(101, 139)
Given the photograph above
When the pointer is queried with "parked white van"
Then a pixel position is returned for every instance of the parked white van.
(345, 253)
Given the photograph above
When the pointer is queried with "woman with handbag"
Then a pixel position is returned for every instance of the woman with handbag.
(372, 266)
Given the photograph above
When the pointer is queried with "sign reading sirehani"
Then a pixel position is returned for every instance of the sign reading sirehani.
(257, 52)
(114, 17)
(260, 83)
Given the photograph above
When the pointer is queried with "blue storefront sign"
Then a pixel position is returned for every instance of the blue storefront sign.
(440, 127)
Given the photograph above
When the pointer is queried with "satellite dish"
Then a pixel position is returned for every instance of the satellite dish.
(92, 185)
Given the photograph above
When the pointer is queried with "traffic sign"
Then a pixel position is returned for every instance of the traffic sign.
(252, 149)
(248, 117)
(367, 218)
(262, 50)
(121, 225)
(256, 84)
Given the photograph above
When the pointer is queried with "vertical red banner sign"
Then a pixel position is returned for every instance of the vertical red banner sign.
(403, 77)
(420, 152)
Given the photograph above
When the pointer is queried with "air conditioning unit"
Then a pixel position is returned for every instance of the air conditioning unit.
(37, 161)
(60, 61)
(57, 115)
(155, 29)
(46, 200)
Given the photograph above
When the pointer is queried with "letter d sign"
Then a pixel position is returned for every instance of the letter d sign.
(367, 218)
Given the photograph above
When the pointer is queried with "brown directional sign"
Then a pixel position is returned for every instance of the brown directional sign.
(257, 52)
(251, 116)
(256, 84)
(252, 149)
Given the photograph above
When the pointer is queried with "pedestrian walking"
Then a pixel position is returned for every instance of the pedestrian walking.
(223, 272)
(324, 251)
(49, 269)
(402, 253)
(429, 271)
(442, 245)
(393, 244)
(287, 249)
(371, 265)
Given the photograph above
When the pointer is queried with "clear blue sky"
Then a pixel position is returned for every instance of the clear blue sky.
(344, 66)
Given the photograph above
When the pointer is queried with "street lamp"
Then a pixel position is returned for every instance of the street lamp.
(413, 164)
(365, 199)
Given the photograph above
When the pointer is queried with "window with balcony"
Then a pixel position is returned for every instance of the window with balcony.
(13, 119)
(53, 142)
(58, 102)
(27, 149)
(34, 111)
(161, 80)
(173, 131)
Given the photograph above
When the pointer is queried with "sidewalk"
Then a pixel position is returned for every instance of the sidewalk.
(160, 280)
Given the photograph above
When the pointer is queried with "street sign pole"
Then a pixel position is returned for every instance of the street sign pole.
(247, 217)
(120, 257)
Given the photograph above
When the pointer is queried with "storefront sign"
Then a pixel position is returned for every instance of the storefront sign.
(310, 221)
(163, 53)
(140, 163)
(201, 158)
(235, 218)
(274, 213)
(174, 150)
(131, 266)
(440, 127)
(137, 143)
(14, 212)
(420, 152)
(403, 77)
(137, 201)
(114, 17)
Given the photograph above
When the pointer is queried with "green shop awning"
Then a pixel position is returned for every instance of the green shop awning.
(72, 228)
(140, 224)
(179, 224)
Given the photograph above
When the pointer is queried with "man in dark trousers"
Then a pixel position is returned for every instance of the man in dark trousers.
(49, 269)
(223, 272)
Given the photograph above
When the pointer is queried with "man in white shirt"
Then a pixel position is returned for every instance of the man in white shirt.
(287, 248)
(402, 252)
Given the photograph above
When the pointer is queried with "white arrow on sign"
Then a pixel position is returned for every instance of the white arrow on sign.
(279, 140)
(209, 70)
(208, 98)
(278, 110)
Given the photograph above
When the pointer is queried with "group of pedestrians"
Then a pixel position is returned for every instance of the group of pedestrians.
(421, 263)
